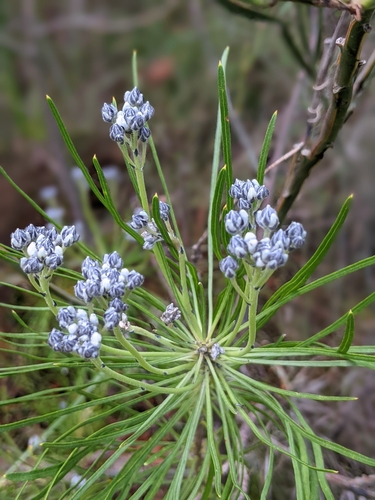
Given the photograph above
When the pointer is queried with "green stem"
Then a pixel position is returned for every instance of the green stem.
(44, 285)
(253, 299)
(136, 354)
(142, 189)
(142, 385)
(159, 338)
(237, 328)
(219, 387)
(189, 315)
(218, 315)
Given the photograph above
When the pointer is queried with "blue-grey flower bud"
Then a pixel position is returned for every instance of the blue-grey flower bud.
(235, 191)
(85, 328)
(250, 189)
(53, 261)
(244, 204)
(113, 259)
(139, 220)
(262, 252)
(170, 314)
(55, 338)
(116, 133)
(164, 209)
(262, 193)
(117, 289)
(44, 247)
(147, 111)
(137, 121)
(237, 247)
(31, 265)
(216, 351)
(150, 240)
(89, 352)
(111, 318)
(236, 222)
(66, 316)
(267, 218)
(280, 240)
(128, 115)
(134, 97)
(143, 134)
(90, 268)
(68, 343)
(251, 242)
(53, 235)
(134, 280)
(93, 289)
(109, 112)
(296, 234)
(19, 239)
(80, 291)
(228, 267)
(41, 230)
(32, 231)
(276, 258)
(118, 305)
(69, 235)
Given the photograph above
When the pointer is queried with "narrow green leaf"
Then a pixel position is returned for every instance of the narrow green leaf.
(265, 315)
(348, 335)
(268, 481)
(212, 446)
(108, 203)
(69, 144)
(190, 430)
(216, 212)
(317, 454)
(211, 218)
(297, 466)
(33, 474)
(225, 130)
(206, 495)
(204, 471)
(303, 274)
(339, 322)
(135, 69)
(265, 148)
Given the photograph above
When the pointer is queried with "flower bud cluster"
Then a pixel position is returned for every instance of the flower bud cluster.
(171, 314)
(81, 337)
(216, 351)
(44, 248)
(272, 250)
(110, 281)
(148, 229)
(132, 118)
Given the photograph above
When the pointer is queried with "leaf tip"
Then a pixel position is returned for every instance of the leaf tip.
(48, 97)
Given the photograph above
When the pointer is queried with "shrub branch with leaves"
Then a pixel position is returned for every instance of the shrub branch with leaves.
(178, 373)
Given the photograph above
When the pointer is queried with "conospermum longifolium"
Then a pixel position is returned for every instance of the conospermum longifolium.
(131, 120)
(244, 224)
(108, 283)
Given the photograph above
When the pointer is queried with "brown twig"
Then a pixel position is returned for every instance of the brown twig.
(341, 97)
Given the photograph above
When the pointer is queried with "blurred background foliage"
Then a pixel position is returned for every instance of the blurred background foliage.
(79, 52)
